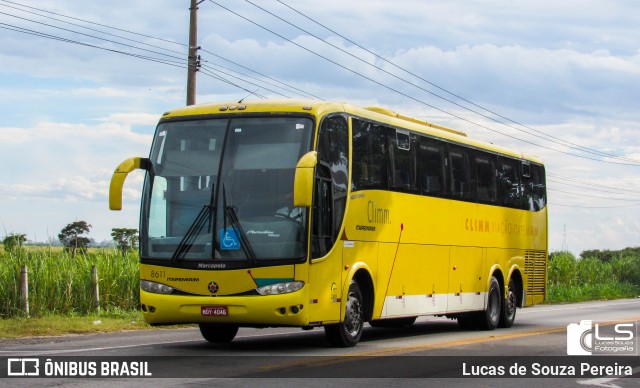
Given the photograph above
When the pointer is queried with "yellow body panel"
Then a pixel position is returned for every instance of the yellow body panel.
(424, 255)
(247, 309)
(230, 282)
(274, 310)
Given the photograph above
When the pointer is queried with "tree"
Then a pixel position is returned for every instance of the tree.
(13, 242)
(71, 236)
(126, 239)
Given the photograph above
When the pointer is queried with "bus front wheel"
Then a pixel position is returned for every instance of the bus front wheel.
(347, 333)
(218, 333)
(489, 318)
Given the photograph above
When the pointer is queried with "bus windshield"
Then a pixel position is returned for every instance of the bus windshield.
(222, 189)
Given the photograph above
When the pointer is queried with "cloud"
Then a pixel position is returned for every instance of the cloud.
(64, 160)
(62, 170)
(570, 69)
(134, 118)
(99, 92)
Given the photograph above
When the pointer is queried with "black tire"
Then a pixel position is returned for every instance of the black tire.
(509, 305)
(218, 333)
(393, 322)
(489, 318)
(347, 333)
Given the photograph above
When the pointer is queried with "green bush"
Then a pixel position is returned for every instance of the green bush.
(595, 275)
(562, 269)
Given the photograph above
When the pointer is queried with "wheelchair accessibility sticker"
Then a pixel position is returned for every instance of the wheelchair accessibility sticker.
(229, 240)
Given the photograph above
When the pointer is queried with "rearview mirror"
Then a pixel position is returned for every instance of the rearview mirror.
(303, 181)
(120, 174)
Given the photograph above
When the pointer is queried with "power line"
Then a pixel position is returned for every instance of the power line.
(222, 79)
(97, 24)
(594, 196)
(344, 67)
(244, 80)
(536, 133)
(590, 183)
(592, 207)
(205, 72)
(409, 96)
(592, 188)
(147, 58)
(216, 67)
(92, 36)
(177, 59)
(262, 75)
(89, 28)
(53, 37)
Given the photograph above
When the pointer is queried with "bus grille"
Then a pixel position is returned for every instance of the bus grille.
(535, 268)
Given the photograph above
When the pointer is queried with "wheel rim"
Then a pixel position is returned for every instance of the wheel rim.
(494, 306)
(511, 303)
(353, 319)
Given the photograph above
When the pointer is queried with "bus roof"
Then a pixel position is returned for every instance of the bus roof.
(320, 108)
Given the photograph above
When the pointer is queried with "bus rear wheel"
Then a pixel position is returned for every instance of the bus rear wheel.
(347, 333)
(218, 333)
(509, 304)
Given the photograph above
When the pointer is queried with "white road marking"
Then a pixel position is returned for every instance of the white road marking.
(606, 381)
(63, 351)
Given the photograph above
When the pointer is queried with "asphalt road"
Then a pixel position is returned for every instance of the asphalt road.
(432, 351)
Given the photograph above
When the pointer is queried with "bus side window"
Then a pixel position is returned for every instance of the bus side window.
(369, 156)
(539, 189)
(459, 168)
(527, 187)
(432, 167)
(402, 170)
(485, 177)
(509, 183)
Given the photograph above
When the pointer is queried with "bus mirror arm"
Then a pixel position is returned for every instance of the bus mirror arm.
(303, 180)
(120, 174)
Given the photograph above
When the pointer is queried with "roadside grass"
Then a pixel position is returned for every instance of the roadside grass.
(61, 300)
(589, 292)
(58, 325)
(59, 283)
(592, 278)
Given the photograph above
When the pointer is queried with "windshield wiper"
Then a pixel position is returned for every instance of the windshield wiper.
(230, 213)
(194, 230)
(196, 226)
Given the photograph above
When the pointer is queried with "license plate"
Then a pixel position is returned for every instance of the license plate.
(214, 311)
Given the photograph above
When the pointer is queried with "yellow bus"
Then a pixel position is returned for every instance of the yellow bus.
(302, 213)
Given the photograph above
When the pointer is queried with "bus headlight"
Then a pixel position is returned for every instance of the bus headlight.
(280, 288)
(156, 288)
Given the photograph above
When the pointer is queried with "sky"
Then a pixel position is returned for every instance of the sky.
(83, 84)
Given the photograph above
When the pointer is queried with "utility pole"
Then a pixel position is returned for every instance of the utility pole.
(193, 62)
